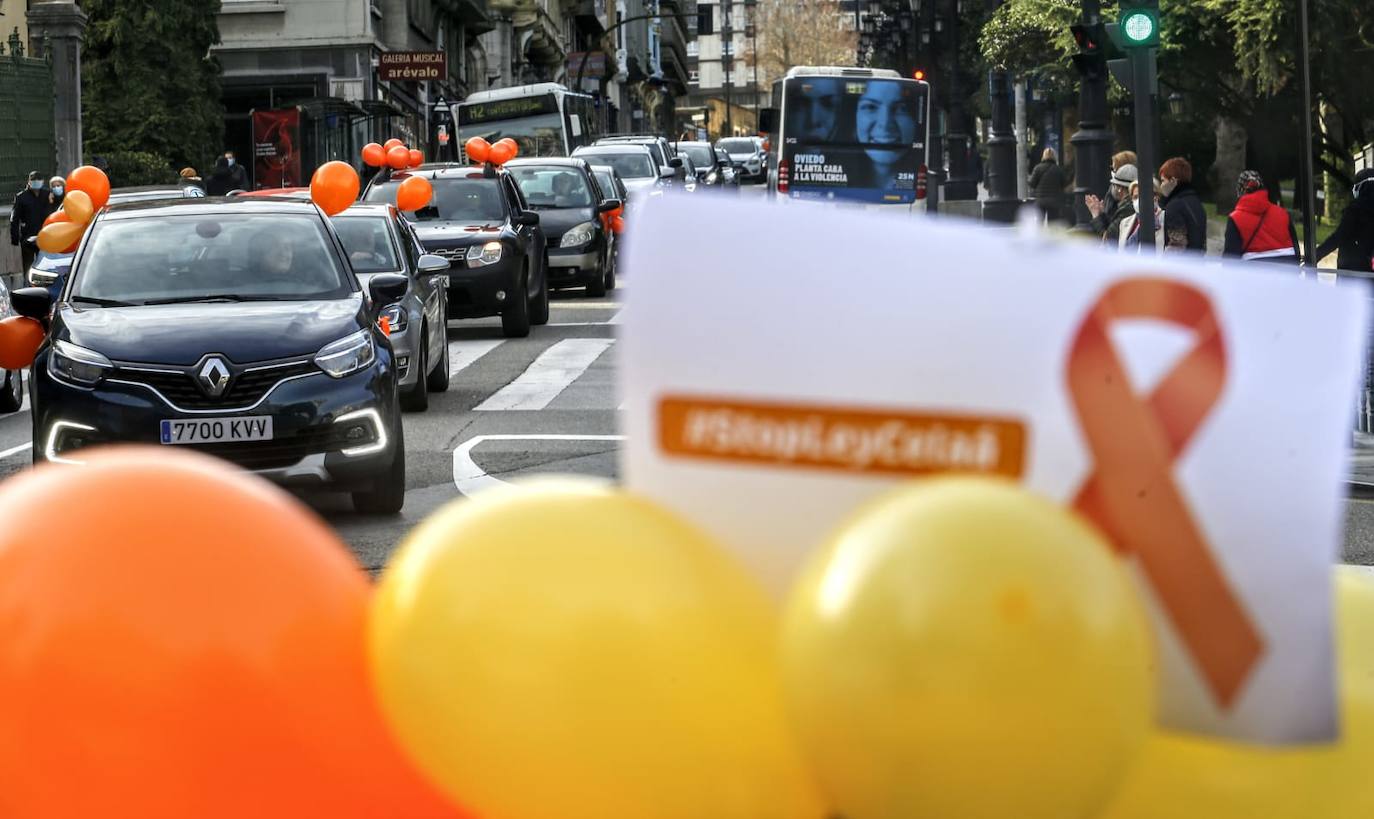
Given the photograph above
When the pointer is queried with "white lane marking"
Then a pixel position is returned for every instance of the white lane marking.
(463, 354)
(585, 305)
(12, 451)
(470, 478)
(579, 324)
(551, 373)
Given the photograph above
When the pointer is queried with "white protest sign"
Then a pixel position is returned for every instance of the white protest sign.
(805, 358)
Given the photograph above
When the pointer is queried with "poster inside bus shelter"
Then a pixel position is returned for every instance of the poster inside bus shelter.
(855, 139)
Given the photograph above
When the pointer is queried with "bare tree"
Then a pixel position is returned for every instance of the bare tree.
(801, 32)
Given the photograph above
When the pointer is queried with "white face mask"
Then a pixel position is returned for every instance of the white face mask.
(1135, 203)
(230, 160)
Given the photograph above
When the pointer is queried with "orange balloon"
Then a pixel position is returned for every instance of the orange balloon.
(20, 338)
(414, 193)
(477, 149)
(208, 661)
(398, 158)
(392, 143)
(57, 217)
(334, 187)
(500, 154)
(93, 182)
(514, 146)
(79, 207)
(618, 224)
(417, 158)
(59, 236)
(374, 155)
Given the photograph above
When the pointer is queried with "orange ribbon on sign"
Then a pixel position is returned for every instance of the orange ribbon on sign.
(1131, 493)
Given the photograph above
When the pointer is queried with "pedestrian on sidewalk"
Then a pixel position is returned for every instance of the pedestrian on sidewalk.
(1109, 213)
(190, 179)
(1047, 185)
(57, 191)
(1258, 229)
(238, 175)
(1353, 240)
(1185, 221)
(221, 181)
(1129, 239)
(26, 218)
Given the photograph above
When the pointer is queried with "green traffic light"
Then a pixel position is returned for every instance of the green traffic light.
(1139, 28)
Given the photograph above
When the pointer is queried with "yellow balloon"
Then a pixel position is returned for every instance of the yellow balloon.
(962, 648)
(59, 236)
(1190, 778)
(567, 651)
(78, 207)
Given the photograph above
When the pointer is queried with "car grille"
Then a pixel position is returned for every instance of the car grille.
(283, 452)
(457, 256)
(246, 388)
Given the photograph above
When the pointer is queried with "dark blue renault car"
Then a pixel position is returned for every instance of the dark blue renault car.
(231, 327)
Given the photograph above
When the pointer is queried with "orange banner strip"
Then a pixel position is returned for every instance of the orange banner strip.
(888, 442)
(1131, 493)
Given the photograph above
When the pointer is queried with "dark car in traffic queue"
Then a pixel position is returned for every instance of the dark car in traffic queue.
(614, 187)
(713, 169)
(570, 204)
(378, 240)
(479, 221)
(232, 327)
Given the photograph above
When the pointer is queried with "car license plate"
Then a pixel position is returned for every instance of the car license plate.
(217, 430)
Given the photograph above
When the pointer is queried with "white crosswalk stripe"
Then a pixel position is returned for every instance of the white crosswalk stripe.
(463, 354)
(550, 374)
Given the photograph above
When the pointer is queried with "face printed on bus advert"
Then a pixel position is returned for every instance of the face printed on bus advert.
(818, 111)
(885, 117)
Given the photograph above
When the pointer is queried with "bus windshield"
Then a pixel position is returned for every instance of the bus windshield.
(861, 139)
(539, 135)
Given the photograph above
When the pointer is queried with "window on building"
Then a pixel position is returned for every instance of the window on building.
(693, 49)
(694, 77)
(706, 19)
(728, 48)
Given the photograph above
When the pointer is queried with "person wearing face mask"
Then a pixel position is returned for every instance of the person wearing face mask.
(1107, 217)
(1185, 221)
(26, 217)
(238, 175)
(57, 191)
(1129, 239)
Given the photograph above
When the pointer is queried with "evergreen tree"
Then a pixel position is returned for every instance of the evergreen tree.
(149, 82)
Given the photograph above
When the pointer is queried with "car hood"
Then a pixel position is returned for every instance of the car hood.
(639, 185)
(455, 234)
(184, 333)
(557, 221)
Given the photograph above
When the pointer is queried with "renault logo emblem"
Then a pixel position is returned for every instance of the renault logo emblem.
(213, 376)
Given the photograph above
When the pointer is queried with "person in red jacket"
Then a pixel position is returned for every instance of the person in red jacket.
(1258, 229)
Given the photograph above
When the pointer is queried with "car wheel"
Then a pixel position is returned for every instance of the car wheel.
(12, 394)
(515, 320)
(539, 311)
(596, 286)
(388, 495)
(611, 271)
(437, 381)
(416, 398)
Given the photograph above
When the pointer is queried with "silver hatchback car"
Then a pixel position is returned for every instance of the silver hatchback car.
(379, 240)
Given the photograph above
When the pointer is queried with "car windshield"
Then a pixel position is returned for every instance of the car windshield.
(700, 154)
(739, 146)
(553, 186)
(234, 257)
(635, 165)
(470, 200)
(368, 242)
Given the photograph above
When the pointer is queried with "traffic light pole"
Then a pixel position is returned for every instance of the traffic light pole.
(1002, 203)
(1141, 59)
(1093, 142)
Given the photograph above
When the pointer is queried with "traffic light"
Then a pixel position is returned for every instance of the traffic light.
(918, 74)
(1091, 59)
(1139, 23)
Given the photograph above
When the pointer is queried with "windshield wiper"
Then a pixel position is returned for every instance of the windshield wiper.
(207, 297)
(101, 302)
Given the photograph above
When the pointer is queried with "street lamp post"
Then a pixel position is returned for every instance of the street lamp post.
(1309, 196)
(959, 186)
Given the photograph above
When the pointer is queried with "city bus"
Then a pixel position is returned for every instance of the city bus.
(856, 135)
(545, 118)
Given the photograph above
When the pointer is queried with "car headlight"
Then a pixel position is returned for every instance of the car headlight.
(578, 235)
(347, 355)
(396, 318)
(77, 365)
(489, 253)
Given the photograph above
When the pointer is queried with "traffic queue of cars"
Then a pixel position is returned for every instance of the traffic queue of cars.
(256, 329)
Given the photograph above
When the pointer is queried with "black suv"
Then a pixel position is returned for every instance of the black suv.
(229, 326)
(480, 222)
(570, 204)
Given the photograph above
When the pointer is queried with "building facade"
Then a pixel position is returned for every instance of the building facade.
(309, 81)
(724, 89)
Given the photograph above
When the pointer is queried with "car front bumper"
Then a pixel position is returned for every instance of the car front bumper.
(572, 267)
(474, 292)
(333, 433)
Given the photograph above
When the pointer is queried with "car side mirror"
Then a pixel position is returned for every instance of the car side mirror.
(768, 120)
(667, 173)
(431, 263)
(609, 205)
(675, 162)
(527, 219)
(32, 302)
(387, 289)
